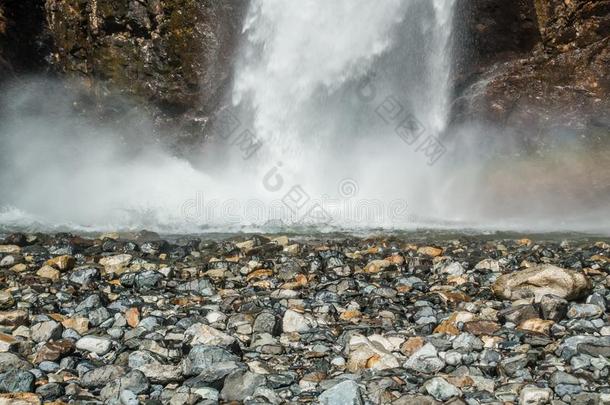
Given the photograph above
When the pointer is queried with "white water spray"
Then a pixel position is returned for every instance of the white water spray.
(351, 90)
(301, 61)
(298, 85)
(347, 102)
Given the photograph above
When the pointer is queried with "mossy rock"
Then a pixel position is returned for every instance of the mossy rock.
(170, 52)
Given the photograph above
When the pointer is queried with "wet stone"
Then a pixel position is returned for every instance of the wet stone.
(346, 392)
(99, 377)
(17, 381)
(441, 390)
(95, 344)
(241, 384)
(584, 311)
(553, 307)
(425, 360)
(50, 392)
(258, 319)
(45, 331)
(84, 276)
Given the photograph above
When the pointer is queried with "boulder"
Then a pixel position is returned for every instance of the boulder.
(538, 281)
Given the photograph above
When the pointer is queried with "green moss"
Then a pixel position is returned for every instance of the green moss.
(542, 14)
(185, 46)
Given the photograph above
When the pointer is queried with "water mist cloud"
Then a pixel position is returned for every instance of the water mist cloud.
(338, 121)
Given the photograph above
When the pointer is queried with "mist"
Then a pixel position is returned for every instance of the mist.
(353, 136)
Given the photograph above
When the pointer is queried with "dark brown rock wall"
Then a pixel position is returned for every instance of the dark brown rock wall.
(490, 31)
(174, 53)
(22, 40)
(544, 83)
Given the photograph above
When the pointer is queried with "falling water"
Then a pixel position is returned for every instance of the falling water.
(312, 84)
(302, 59)
(347, 93)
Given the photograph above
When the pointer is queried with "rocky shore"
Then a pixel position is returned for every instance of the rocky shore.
(128, 319)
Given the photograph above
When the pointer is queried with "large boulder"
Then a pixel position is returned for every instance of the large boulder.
(536, 282)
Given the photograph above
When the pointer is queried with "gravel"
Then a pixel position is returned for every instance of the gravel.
(275, 320)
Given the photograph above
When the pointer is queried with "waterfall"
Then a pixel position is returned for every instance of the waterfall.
(301, 56)
(337, 117)
(331, 85)
(331, 104)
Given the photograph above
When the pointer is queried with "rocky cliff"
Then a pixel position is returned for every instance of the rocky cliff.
(176, 53)
(171, 57)
(535, 66)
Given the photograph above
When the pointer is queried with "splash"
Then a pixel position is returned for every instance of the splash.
(352, 90)
(338, 120)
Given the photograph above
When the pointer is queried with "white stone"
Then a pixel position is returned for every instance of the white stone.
(95, 344)
(488, 264)
(7, 261)
(295, 322)
(45, 331)
(440, 389)
(425, 360)
(116, 261)
(215, 316)
(344, 393)
(454, 269)
(365, 353)
(206, 335)
(532, 395)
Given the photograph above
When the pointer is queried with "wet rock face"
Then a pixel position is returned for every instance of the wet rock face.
(22, 41)
(489, 31)
(573, 24)
(544, 80)
(174, 53)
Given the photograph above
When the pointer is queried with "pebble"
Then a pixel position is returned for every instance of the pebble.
(425, 360)
(343, 393)
(95, 344)
(553, 308)
(45, 331)
(241, 384)
(275, 320)
(440, 389)
(295, 322)
(367, 354)
(17, 381)
(99, 377)
(532, 395)
(584, 311)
